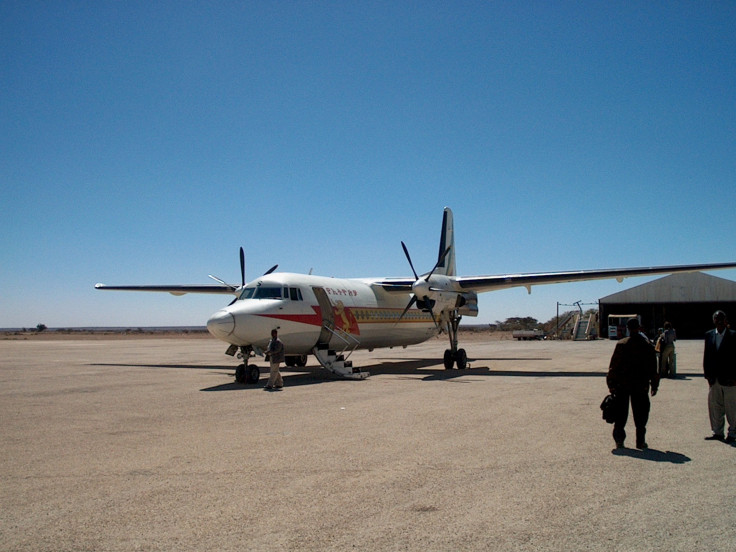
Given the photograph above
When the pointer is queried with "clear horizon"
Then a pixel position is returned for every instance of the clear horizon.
(145, 143)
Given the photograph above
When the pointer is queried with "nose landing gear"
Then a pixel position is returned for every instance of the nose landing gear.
(246, 373)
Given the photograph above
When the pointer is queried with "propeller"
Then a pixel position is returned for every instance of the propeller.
(425, 299)
(242, 275)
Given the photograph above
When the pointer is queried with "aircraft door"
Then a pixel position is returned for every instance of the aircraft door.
(328, 316)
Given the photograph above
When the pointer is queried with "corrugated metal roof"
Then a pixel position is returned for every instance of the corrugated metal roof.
(692, 287)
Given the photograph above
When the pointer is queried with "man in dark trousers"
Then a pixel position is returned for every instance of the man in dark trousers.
(632, 370)
(275, 351)
(719, 368)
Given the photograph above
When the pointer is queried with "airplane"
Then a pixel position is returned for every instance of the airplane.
(332, 317)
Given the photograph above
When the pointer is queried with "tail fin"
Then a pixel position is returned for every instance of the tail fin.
(447, 239)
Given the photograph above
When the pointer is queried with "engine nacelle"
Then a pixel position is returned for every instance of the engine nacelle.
(439, 295)
(467, 304)
(426, 305)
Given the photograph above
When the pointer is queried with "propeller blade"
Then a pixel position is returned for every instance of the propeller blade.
(411, 302)
(439, 261)
(431, 313)
(242, 267)
(216, 279)
(408, 258)
(270, 270)
(223, 282)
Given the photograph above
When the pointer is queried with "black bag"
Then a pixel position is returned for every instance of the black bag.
(608, 406)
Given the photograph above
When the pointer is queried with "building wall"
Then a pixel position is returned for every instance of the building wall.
(690, 320)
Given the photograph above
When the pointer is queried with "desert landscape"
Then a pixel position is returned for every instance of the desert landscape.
(147, 443)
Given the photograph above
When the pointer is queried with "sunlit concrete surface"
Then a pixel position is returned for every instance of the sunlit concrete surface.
(148, 444)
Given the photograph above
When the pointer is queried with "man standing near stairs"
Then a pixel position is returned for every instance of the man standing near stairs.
(275, 352)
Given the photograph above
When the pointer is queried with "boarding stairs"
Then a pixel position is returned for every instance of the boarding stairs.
(337, 362)
(562, 327)
(583, 328)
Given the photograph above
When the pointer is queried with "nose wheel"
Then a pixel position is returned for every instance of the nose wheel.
(246, 373)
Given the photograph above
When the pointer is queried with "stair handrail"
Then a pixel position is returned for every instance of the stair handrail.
(591, 325)
(565, 322)
(342, 335)
(575, 327)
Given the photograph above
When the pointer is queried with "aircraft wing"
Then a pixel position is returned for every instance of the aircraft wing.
(176, 289)
(481, 284)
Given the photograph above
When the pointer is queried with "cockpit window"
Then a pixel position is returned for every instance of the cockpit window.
(261, 292)
(247, 293)
(268, 292)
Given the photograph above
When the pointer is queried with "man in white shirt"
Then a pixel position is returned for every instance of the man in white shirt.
(719, 368)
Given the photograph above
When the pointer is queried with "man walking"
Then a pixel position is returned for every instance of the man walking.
(719, 368)
(632, 370)
(275, 353)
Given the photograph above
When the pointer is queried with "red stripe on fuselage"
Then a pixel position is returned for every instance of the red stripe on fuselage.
(311, 319)
(344, 319)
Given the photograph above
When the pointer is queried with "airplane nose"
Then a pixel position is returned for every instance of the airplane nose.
(221, 324)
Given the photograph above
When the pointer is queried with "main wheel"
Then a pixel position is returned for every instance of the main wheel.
(254, 373)
(449, 359)
(301, 360)
(461, 359)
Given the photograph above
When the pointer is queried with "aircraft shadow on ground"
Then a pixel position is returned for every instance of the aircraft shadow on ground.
(314, 375)
(167, 366)
(476, 368)
(653, 455)
(430, 368)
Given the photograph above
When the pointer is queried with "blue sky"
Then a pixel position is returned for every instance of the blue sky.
(145, 142)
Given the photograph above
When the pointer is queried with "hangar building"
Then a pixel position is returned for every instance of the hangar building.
(687, 300)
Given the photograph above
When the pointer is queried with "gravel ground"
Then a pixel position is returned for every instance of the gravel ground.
(147, 444)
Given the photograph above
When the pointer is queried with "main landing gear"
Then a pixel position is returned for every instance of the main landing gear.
(453, 355)
(296, 360)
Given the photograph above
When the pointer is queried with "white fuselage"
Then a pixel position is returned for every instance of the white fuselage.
(300, 306)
